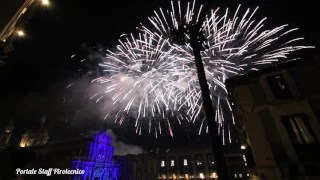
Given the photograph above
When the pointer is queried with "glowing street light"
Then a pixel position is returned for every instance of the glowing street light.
(20, 33)
(45, 2)
(243, 147)
(201, 175)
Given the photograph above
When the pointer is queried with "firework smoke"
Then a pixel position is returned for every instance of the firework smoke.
(154, 81)
(121, 148)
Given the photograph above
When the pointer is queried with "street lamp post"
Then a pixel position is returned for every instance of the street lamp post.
(196, 41)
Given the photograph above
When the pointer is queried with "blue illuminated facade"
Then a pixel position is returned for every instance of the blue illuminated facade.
(98, 164)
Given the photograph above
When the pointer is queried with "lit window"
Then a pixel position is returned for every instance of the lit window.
(199, 162)
(185, 162)
(213, 175)
(240, 175)
(45, 2)
(162, 163)
(201, 175)
(29, 143)
(172, 163)
(235, 176)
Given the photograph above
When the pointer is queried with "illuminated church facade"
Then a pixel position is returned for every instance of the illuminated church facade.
(36, 136)
(98, 164)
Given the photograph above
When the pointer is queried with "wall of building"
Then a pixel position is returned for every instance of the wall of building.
(261, 114)
(191, 163)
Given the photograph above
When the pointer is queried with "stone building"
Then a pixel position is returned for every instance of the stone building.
(134, 167)
(36, 136)
(94, 155)
(196, 163)
(278, 115)
(99, 163)
(178, 164)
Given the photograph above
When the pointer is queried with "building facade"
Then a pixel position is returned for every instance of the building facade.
(197, 163)
(36, 136)
(277, 110)
(94, 155)
(126, 168)
(99, 162)
(134, 167)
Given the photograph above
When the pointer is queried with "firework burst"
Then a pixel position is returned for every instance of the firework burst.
(155, 81)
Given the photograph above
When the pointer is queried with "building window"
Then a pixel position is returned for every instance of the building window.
(240, 175)
(235, 176)
(199, 161)
(201, 175)
(162, 163)
(211, 160)
(172, 163)
(298, 129)
(29, 143)
(279, 87)
(213, 175)
(185, 162)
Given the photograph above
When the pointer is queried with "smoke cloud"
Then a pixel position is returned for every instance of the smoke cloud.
(121, 148)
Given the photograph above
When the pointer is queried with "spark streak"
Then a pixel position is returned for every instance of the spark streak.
(150, 78)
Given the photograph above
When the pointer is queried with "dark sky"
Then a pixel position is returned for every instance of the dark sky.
(37, 72)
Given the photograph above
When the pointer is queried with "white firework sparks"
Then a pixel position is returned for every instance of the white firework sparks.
(148, 76)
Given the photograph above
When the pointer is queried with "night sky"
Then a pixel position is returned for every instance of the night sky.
(34, 78)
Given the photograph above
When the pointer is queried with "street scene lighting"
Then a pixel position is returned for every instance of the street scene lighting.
(20, 33)
(45, 2)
